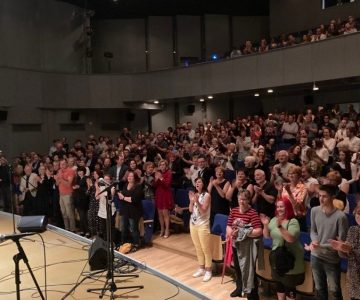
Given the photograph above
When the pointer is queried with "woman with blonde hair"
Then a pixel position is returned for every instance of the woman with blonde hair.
(296, 192)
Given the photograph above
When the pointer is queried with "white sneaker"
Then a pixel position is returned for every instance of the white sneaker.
(198, 273)
(207, 276)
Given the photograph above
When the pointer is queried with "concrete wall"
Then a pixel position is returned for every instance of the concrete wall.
(125, 39)
(41, 35)
(292, 15)
(249, 28)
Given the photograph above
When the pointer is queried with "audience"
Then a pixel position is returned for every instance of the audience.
(310, 157)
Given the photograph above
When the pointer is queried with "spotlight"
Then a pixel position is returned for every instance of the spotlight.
(210, 97)
(270, 91)
(256, 95)
(315, 87)
(214, 56)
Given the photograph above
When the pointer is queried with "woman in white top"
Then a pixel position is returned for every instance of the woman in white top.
(200, 228)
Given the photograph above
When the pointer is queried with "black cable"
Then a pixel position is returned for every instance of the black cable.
(44, 252)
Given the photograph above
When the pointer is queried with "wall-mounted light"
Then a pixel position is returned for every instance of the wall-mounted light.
(156, 101)
(270, 91)
(210, 97)
(256, 95)
(201, 99)
(315, 87)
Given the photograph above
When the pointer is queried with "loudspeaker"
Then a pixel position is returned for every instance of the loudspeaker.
(3, 115)
(75, 116)
(130, 117)
(32, 224)
(98, 255)
(191, 109)
(309, 100)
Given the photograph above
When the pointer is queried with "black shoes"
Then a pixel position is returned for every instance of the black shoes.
(236, 293)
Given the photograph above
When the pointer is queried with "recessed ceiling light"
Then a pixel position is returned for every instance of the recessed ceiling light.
(270, 91)
(210, 97)
(201, 99)
(256, 95)
(156, 102)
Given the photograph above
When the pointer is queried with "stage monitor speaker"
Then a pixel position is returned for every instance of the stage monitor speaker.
(32, 224)
(191, 109)
(309, 100)
(74, 116)
(98, 255)
(3, 115)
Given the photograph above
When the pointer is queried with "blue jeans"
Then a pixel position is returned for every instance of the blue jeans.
(326, 278)
(127, 224)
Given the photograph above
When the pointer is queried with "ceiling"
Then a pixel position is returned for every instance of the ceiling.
(110, 9)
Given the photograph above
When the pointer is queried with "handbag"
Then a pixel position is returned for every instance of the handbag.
(281, 259)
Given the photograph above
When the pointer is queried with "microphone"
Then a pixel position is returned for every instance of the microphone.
(101, 180)
(14, 236)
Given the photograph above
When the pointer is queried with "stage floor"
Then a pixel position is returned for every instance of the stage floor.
(66, 259)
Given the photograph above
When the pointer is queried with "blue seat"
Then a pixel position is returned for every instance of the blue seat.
(182, 200)
(267, 243)
(229, 175)
(343, 265)
(308, 218)
(219, 226)
(305, 239)
(351, 219)
(353, 188)
(352, 198)
(148, 216)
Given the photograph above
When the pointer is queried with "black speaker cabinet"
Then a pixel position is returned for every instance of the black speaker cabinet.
(74, 116)
(3, 115)
(98, 255)
(32, 224)
(190, 109)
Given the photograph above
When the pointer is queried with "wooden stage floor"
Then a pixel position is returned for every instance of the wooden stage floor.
(66, 259)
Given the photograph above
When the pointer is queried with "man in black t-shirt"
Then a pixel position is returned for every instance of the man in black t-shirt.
(265, 194)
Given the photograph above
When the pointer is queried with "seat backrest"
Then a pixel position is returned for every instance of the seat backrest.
(182, 198)
(148, 209)
(229, 175)
(219, 225)
(352, 198)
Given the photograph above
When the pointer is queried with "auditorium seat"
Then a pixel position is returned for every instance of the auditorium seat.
(148, 216)
(182, 201)
(219, 226)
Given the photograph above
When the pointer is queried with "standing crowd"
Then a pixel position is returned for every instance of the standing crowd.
(271, 175)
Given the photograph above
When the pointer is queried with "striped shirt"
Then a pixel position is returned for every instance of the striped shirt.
(250, 216)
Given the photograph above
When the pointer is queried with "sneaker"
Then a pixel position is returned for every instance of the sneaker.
(198, 273)
(207, 276)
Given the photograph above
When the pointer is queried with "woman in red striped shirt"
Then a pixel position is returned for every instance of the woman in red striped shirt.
(243, 227)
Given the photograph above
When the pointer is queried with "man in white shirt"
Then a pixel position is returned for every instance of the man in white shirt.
(351, 140)
(289, 131)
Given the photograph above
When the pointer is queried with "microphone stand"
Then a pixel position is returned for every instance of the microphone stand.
(12, 198)
(17, 258)
(109, 284)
